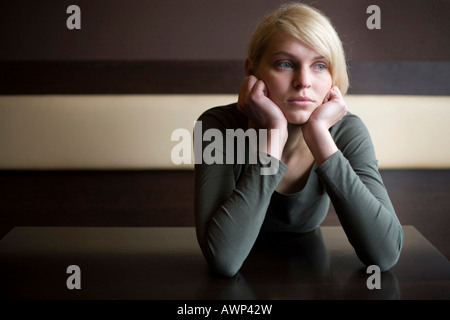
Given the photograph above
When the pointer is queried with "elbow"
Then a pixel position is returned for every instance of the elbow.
(383, 261)
(221, 261)
(387, 262)
(387, 257)
(391, 260)
(221, 264)
(223, 271)
(223, 267)
(392, 254)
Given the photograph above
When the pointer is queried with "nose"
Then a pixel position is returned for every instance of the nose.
(302, 79)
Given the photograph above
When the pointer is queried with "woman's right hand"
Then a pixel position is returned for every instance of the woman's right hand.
(255, 103)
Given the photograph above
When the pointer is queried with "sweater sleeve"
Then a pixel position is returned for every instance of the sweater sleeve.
(361, 201)
(229, 211)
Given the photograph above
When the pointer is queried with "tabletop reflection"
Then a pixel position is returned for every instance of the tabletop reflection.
(299, 266)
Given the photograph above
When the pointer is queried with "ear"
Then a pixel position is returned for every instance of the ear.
(249, 67)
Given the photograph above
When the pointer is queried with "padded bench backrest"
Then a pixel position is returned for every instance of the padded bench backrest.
(55, 132)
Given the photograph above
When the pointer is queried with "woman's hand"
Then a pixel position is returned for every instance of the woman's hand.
(331, 111)
(315, 131)
(255, 103)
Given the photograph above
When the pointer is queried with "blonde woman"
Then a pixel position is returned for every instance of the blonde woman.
(296, 80)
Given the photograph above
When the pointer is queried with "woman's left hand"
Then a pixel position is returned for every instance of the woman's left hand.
(331, 111)
(315, 130)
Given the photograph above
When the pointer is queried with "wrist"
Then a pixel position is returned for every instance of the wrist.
(319, 141)
(273, 143)
(312, 129)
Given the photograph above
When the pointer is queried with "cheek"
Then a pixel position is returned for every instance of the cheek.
(272, 86)
(324, 86)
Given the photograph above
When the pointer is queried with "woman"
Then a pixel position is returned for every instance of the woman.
(296, 79)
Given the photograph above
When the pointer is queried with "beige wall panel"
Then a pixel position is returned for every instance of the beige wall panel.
(134, 131)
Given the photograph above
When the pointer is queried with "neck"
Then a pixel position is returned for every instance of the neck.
(295, 142)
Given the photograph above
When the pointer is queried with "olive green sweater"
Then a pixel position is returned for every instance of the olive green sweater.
(235, 202)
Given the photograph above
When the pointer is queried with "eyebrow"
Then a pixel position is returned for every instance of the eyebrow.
(293, 57)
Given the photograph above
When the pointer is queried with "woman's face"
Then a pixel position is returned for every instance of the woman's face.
(297, 78)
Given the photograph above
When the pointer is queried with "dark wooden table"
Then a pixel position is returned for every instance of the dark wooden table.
(166, 263)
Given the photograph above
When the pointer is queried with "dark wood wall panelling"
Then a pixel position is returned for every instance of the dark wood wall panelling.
(203, 77)
(196, 47)
(166, 198)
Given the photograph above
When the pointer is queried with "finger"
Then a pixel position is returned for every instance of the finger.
(327, 98)
(245, 89)
(335, 93)
(245, 86)
(251, 80)
(260, 89)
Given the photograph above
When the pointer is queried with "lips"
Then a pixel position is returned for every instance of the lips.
(300, 98)
(301, 101)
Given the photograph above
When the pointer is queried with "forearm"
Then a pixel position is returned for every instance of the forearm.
(319, 141)
(228, 224)
(316, 130)
(272, 140)
(364, 210)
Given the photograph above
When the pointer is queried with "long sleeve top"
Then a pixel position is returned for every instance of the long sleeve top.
(234, 202)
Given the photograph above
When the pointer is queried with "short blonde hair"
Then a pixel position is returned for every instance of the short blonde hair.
(309, 26)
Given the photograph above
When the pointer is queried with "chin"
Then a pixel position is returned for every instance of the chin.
(299, 118)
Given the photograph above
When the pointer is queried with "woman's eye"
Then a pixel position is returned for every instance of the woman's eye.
(285, 64)
(320, 66)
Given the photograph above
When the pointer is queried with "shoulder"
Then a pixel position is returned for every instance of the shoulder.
(350, 126)
(350, 122)
(223, 117)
